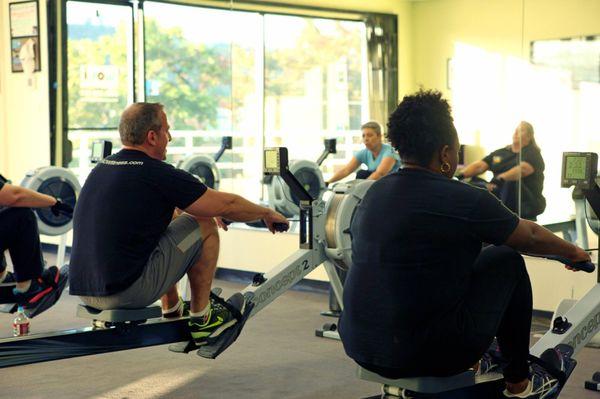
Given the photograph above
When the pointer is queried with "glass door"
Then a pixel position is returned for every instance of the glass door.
(100, 75)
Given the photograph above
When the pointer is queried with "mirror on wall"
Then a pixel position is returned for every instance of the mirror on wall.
(562, 78)
(524, 81)
(475, 56)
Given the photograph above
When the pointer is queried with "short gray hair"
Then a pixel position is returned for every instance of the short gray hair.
(137, 120)
(372, 125)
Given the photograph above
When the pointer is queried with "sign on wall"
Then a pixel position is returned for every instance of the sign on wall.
(24, 36)
(99, 83)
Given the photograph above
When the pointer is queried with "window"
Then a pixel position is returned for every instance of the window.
(264, 79)
(203, 65)
(99, 74)
(314, 87)
(579, 55)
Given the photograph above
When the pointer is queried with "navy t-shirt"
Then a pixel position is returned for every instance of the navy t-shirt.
(125, 205)
(415, 238)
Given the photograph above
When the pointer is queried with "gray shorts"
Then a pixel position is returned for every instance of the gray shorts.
(178, 249)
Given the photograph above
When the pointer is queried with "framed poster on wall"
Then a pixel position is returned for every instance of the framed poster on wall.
(24, 36)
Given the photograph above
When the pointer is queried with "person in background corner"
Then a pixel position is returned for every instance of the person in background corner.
(504, 164)
(379, 157)
(29, 284)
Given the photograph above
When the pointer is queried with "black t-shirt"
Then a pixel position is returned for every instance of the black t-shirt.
(533, 202)
(125, 205)
(415, 237)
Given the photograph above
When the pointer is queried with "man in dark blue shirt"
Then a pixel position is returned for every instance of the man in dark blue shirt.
(421, 297)
(128, 251)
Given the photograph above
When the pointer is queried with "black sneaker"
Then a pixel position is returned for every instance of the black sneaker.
(220, 318)
(45, 290)
(9, 280)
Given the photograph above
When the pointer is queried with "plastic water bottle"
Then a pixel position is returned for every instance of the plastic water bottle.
(20, 323)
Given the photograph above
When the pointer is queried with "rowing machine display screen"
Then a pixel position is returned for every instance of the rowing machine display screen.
(276, 160)
(579, 169)
(100, 150)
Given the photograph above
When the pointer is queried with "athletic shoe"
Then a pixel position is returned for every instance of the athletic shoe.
(9, 280)
(183, 310)
(220, 317)
(542, 385)
(487, 364)
(491, 361)
(40, 289)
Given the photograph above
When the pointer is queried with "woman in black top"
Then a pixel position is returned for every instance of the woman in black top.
(504, 164)
(422, 298)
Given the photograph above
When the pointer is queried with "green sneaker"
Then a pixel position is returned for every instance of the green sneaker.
(220, 318)
(183, 310)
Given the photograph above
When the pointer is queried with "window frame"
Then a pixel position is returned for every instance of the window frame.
(60, 144)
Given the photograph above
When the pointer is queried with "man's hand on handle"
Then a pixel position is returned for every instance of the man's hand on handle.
(578, 256)
(222, 223)
(276, 222)
(60, 208)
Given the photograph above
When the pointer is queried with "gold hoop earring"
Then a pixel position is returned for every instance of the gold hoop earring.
(445, 168)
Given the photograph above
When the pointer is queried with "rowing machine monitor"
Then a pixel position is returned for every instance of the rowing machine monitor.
(100, 150)
(276, 161)
(579, 169)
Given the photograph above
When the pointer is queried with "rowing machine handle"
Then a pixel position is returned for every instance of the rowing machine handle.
(280, 227)
(587, 267)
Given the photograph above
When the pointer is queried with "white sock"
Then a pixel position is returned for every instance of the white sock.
(174, 308)
(201, 314)
(24, 286)
(523, 394)
(3, 275)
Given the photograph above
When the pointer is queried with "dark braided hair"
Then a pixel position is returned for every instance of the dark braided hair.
(420, 126)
